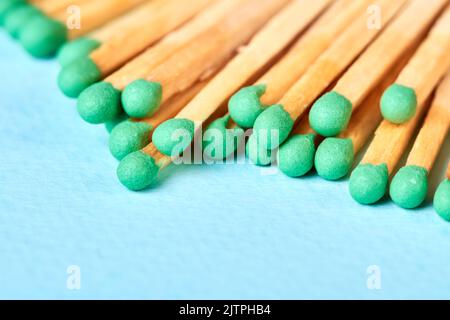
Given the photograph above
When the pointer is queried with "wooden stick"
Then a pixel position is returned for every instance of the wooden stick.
(95, 13)
(368, 117)
(334, 61)
(321, 34)
(149, 59)
(207, 51)
(364, 75)
(130, 34)
(279, 32)
(431, 61)
(434, 129)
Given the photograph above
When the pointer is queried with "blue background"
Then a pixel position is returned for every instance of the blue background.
(205, 232)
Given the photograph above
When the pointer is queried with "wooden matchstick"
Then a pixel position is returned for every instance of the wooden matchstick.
(284, 27)
(335, 155)
(368, 182)
(124, 39)
(280, 118)
(249, 102)
(201, 56)
(52, 7)
(134, 134)
(428, 65)
(331, 113)
(42, 36)
(409, 186)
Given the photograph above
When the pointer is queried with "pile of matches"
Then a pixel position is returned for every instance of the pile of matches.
(156, 72)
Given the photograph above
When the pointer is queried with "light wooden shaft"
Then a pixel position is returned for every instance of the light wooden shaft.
(174, 105)
(267, 43)
(94, 13)
(364, 75)
(139, 29)
(448, 171)
(434, 130)
(431, 61)
(213, 47)
(172, 43)
(368, 116)
(334, 60)
(321, 34)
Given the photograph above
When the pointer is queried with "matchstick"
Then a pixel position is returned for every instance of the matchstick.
(278, 120)
(428, 65)
(145, 89)
(331, 113)
(246, 105)
(441, 201)
(42, 36)
(284, 27)
(134, 134)
(368, 182)
(335, 155)
(124, 39)
(409, 186)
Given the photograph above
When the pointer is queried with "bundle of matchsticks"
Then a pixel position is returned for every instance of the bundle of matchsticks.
(301, 84)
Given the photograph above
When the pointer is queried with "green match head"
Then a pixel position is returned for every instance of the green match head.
(137, 171)
(368, 183)
(334, 158)
(409, 187)
(43, 36)
(17, 17)
(6, 6)
(330, 114)
(398, 103)
(296, 155)
(77, 76)
(257, 155)
(110, 125)
(273, 127)
(219, 142)
(441, 200)
(245, 105)
(128, 137)
(173, 136)
(74, 50)
(141, 98)
(99, 103)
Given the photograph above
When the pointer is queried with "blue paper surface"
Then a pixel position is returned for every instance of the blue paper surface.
(205, 232)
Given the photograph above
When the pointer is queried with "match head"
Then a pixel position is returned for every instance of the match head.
(173, 136)
(296, 155)
(330, 114)
(245, 105)
(219, 142)
(110, 125)
(17, 17)
(128, 137)
(99, 103)
(257, 155)
(137, 171)
(141, 98)
(398, 103)
(368, 183)
(334, 158)
(43, 36)
(77, 76)
(77, 49)
(409, 187)
(6, 6)
(273, 126)
(441, 200)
